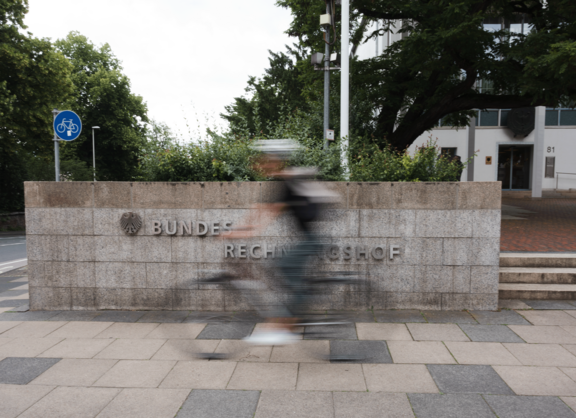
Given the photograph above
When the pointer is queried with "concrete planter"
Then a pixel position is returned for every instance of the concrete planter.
(447, 236)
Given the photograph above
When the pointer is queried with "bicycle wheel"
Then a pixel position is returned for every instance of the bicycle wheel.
(61, 128)
(73, 128)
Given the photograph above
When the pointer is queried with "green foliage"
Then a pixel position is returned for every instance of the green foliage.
(369, 163)
(103, 98)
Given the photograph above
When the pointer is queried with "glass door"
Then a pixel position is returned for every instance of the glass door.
(514, 167)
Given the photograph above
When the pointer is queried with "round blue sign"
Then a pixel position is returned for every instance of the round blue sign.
(67, 125)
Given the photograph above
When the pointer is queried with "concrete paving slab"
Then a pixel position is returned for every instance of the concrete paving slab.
(420, 352)
(408, 378)
(28, 316)
(399, 316)
(264, 376)
(164, 316)
(436, 332)
(449, 317)
(443, 406)
(80, 330)
(491, 333)
(32, 329)
(5, 340)
(76, 348)
(331, 332)
(571, 402)
(301, 404)
(220, 403)
(131, 349)
(570, 372)
(199, 375)
(528, 407)
(118, 316)
(228, 330)
(543, 334)
(11, 303)
(71, 402)
(570, 347)
(550, 318)
(136, 374)
(75, 316)
(185, 349)
(238, 350)
(550, 304)
(371, 405)
(22, 370)
(364, 351)
(482, 353)
(389, 332)
(74, 372)
(15, 399)
(504, 317)
(542, 355)
(468, 379)
(5, 326)
(210, 317)
(331, 377)
(145, 403)
(127, 330)
(171, 331)
(354, 316)
(537, 381)
(27, 347)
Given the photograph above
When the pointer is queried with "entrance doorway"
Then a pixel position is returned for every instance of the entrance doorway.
(514, 166)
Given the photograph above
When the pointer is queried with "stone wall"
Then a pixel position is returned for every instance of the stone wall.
(447, 235)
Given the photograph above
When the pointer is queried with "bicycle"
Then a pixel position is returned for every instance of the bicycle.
(71, 127)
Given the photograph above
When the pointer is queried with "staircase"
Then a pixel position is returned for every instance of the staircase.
(541, 276)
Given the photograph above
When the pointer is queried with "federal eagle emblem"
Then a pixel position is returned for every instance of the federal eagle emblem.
(130, 223)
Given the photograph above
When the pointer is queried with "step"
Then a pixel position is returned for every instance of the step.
(562, 260)
(537, 291)
(538, 275)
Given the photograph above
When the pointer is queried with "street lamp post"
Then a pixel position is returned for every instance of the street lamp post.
(94, 151)
(345, 83)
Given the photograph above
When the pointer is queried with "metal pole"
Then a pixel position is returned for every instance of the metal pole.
(56, 148)
(344, 83)
(471, 148)
(93, 154)
(327, 80)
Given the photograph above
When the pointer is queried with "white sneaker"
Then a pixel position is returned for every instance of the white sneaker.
(272, 337)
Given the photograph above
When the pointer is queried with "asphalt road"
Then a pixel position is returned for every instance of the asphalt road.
(12, 252)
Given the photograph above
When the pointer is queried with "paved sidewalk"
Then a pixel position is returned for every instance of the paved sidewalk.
(546, 225)
(518, 362)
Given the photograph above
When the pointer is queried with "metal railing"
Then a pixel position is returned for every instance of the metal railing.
(573, 174)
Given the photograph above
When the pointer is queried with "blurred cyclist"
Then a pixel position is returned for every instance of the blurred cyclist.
(304, 200)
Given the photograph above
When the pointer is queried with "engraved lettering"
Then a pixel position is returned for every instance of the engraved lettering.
(252, 252)
(348, 250)
(185, 227)
(394, 250)
(375, 252)
(229, 250)
(157, 227)
(333, 252)
(361, 250)
(168, 231)
(227, 228)
(242, 251)
(271, 250)
(204, 228)
(215, 228)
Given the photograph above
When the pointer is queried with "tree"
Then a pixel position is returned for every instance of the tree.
(103, 97)
(433, 72)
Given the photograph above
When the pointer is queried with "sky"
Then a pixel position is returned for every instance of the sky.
(186, 58)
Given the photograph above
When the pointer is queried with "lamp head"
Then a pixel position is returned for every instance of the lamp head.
(95, 127)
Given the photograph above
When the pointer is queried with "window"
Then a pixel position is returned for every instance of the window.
(489, 118)
(504, 117)
(448, 152)
(560, 117)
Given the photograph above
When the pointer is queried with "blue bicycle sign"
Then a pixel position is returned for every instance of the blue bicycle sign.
(67, 125)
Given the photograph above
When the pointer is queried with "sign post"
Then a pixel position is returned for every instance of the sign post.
(67, 127)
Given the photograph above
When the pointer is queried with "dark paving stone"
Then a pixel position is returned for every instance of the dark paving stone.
(21, 308)
(164, 316)
(28, 316)
(445, 317)
(9, 286)
(449, 406)
(13, 293)
(9, 303)
(330, 332)
(550, 304)
(399, 316)
(352, 316)
(359, 351)
(468, 379)
(118, 316)
(74, 316)
(491, 333)
(210, 317)
(220, 403)
(22, 370)
(247, 317)
(529, 407)
(228, 330)
(504, 317)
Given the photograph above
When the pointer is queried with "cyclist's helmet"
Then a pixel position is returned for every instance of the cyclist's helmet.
(280, 148)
